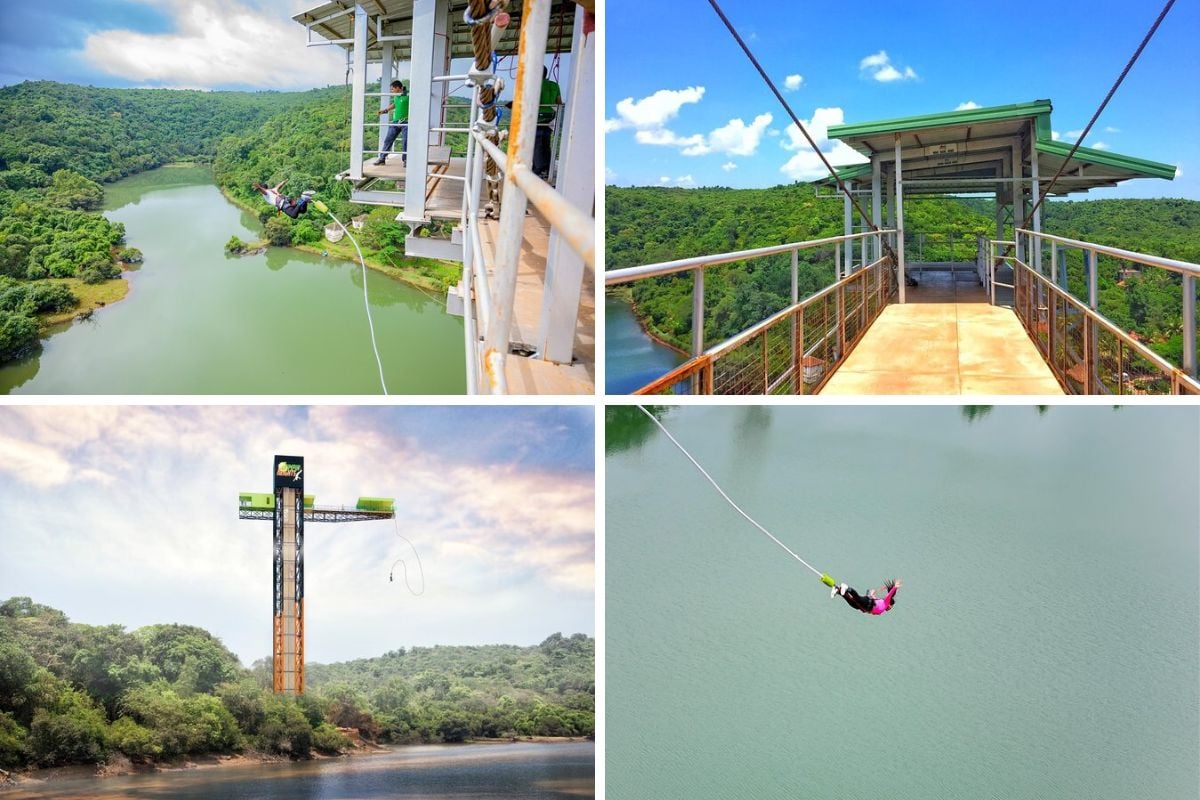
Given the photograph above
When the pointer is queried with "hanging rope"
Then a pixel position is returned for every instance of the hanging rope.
(366, 300)
(477, 12)
(729, 500)
(420, 569)
(1107, 97)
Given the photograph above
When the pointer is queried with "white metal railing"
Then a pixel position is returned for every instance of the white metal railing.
(1055, 270)
(698, 264)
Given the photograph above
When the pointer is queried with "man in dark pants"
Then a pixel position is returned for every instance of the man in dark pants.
(548, 104)
(399, 126)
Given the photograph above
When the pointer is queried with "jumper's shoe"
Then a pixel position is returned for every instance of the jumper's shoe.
(307, 193)
(379, 162)
(833, 592)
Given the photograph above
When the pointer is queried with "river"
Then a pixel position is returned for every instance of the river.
(199, 322)
(632, 359)
(528, 771)
(1045, 643)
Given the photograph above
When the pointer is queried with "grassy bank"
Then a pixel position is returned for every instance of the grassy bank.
(91, 296)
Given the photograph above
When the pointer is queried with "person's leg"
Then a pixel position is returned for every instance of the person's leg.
(541, 151)
(392, 132)
(404, 144)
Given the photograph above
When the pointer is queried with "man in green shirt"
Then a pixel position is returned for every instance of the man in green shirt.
(548, 105)
(399, 126)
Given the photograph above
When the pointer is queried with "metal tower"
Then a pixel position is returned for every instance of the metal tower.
(289, 508)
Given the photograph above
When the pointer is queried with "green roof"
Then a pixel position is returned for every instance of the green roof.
(970, 116)
(1108, 158)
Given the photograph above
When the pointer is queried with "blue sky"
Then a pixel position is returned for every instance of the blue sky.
(128, 515)
(705, 117)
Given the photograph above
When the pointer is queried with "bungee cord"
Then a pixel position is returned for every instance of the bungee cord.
(420, 569)
(824, 578)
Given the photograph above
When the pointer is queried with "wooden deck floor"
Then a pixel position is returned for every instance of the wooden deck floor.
(443, 198)
(945, 340)
(528, 375)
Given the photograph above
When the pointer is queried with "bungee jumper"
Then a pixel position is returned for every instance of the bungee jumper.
(293, 207)
(869, 604)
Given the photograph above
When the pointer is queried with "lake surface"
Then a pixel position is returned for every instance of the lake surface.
(524, 770)
(1045, 643)
(199, 322)
(631, 358)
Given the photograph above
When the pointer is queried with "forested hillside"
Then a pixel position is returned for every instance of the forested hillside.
(57, 143)
(74, 693)
(646, 225)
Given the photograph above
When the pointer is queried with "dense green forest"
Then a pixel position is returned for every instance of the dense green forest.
(74, 693)
(652, 224)
(58, 142)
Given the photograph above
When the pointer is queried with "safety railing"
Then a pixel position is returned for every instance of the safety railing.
(1050, 256)
(1086, 352)
(795, 350)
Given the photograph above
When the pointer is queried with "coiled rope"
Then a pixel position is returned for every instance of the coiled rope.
(729, 500)
(420, 569)
(477, 12)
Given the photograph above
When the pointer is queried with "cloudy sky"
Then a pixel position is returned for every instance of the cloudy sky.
(128, 515)
(684, 107)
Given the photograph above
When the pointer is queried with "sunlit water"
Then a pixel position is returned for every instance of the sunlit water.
(524, 770)
(199, 322)
(631, 358)
(1045, 643)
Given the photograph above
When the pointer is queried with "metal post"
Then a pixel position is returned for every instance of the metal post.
(385, 80)
(847, 229)
(900, 218)
(992, 269)
(1189, 325)
(420, 102)
(1035, 192)
(576, 183)
(795, 299)
(441, 65)
(697, 311)
(1090, 260)
(876, 200)
(535, 22)
(1018, 198)
(358, 93)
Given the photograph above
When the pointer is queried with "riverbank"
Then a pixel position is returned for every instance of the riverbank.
(625, 293)
(446, 274)
(91, 297)
(119, 765)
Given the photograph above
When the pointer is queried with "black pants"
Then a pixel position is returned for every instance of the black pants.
(294, 208)
(858, 602)
(541, 151)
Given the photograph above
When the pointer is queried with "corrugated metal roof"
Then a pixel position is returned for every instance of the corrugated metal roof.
(397, 16)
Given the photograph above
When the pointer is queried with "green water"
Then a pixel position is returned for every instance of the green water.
(1045, 643)
(199, 322)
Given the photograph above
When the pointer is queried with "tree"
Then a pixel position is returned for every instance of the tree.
(284, 729)
(71, 731)
(69, 189)
(278, 232)
(18, 333)
(12, 742)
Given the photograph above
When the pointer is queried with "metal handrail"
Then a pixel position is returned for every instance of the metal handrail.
(616, 277)
(1182, 267)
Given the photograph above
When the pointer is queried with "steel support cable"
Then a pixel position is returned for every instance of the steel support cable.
(481, 43)
(729, 500)
(766, 78)
(1100, 110)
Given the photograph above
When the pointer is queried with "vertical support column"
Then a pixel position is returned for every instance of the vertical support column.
(535, 23)
(358, 93)
(576, 183)
(289, 591)
(299, 579)
(420, 91)
(1189, 325)
(1018, 197)
(441, 66)
(385, 80)
(1034, 192)
(1089, 266)
(277, 595)
(876, 203)
(900, 218)
(697, 311)
(843, 268)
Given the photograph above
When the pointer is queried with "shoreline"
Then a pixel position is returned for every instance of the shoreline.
(626, 296)
(407, 275)
(120, 765)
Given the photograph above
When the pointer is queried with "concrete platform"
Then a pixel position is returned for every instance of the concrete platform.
(528, 375)
(938, 346)
(443, 196)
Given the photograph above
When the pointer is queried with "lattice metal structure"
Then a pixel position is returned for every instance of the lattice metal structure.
(289, 508)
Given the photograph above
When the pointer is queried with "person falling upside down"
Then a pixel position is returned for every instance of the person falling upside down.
(869, 604)
(292, 207)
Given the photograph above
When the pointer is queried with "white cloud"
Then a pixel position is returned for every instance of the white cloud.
(793, 82)
(1055, 135)
(967, 106)
(653, 111)
(609, 176)
(664, 179)
(729, 166)
(735, 138)
(1178, 171)
(806, 165)
(1099, 145)
(1111, 129)
(1073, 135)
(879, 66)
(215, 43)
(662, 136)
(685, 180)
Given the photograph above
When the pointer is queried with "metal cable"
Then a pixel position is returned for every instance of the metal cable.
(481, 43)
(729, 500)
(1107, 97)
(420, 569)
(833, 173)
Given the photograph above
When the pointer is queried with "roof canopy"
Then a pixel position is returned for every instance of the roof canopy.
(397, 15)
(972, 151)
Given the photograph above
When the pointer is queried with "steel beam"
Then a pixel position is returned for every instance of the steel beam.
(899, 167)
(357, 94)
